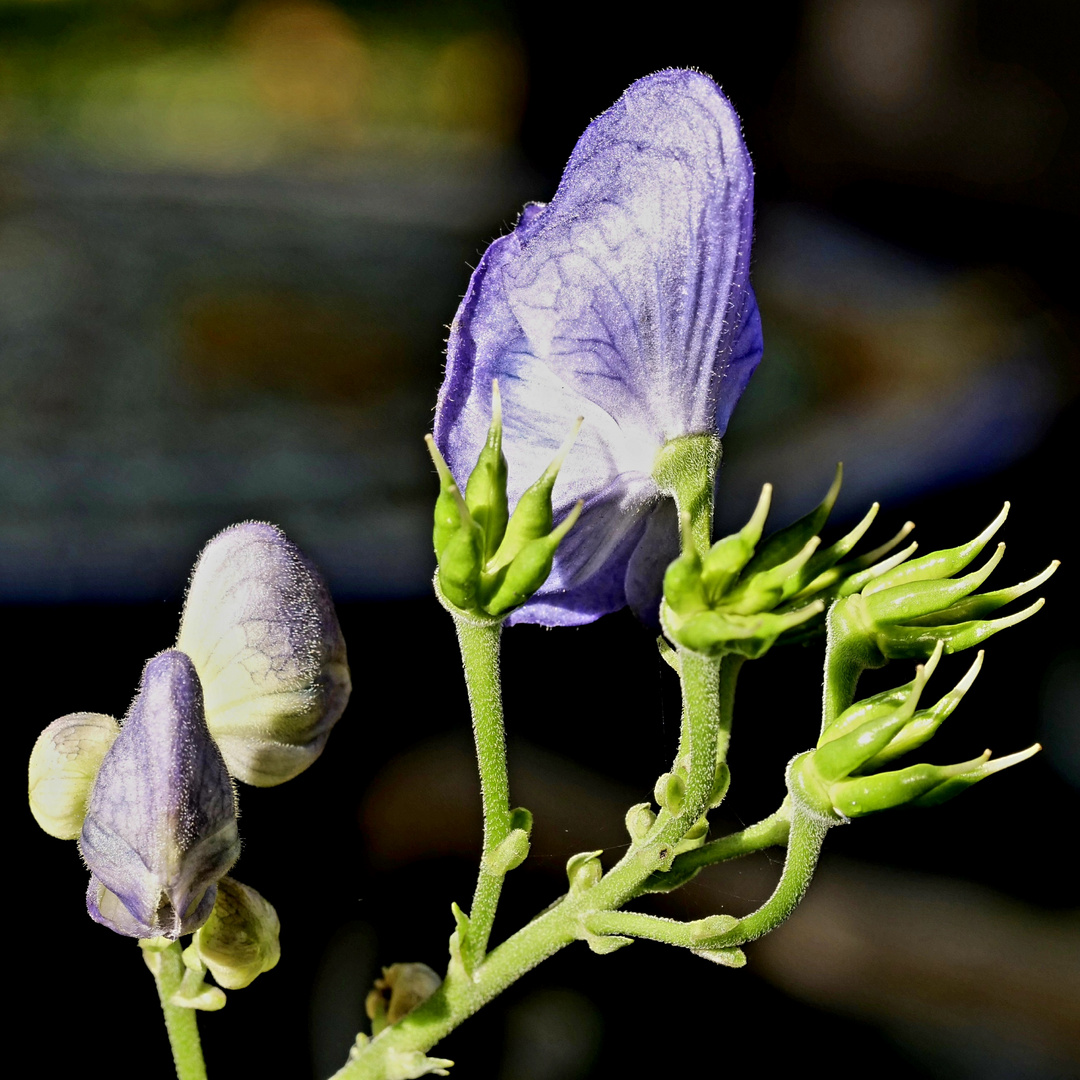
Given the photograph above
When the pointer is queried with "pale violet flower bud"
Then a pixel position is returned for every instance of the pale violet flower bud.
(63, 766)
(240, 939)
(261, 629)
(626, 301)
(160, 828)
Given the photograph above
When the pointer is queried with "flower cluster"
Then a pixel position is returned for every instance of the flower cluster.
(844, 778)
(256, 681)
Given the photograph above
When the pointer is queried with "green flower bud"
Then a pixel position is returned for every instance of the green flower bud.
(839, 779)
(639, 820)
(532, 517)
(63, 766)
(916, 599)
(485, 493)
(583, 870)
(240, 939)
(740, 600)
(721, 783)
(489, 563)
(925, 722)
(919, 785)
(727, 558)
(669, 792)
(447, 515)
(939, 564)
(530, 568)
(783, 545)
(462, 560)
(908, 610)
(683, 589)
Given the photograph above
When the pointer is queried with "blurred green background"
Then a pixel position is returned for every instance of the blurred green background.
(232, 237)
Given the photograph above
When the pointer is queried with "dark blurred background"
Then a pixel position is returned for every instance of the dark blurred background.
(231, 239)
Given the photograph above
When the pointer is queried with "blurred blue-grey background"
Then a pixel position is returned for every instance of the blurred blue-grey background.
(232, 236)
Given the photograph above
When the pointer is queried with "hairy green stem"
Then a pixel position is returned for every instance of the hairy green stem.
(181, 1024)
(392, 1053)
(730, 666)
(807, 833)
(769, 832)
(479, 643)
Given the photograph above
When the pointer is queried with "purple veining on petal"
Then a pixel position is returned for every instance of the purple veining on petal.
(261, 628)
(160, 828)
(625, 300)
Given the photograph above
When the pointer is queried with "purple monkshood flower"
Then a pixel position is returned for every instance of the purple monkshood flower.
(625, 300)
(257, 680)
(160, 828)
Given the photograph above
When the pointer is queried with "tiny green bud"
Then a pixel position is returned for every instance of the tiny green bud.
(698, 831)
(532, 517)
(240, 939)
(584, 870)
(529, 569)
(459, 940)
(639, 820)
(485, 493)
(509, 854)
(938, 564)
(732, 958)
(461, 561)
(980, 769)
(670, 791)
(447, 516)
(727, 557)
(863, 795)
(925, 722)
(605, 944)
(846, 753)
(782, 545)
(913, 642)
(683, 591)
(915, 599)
(63, 766)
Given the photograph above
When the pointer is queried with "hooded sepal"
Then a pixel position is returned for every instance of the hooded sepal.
(261, 628)
(160, 827)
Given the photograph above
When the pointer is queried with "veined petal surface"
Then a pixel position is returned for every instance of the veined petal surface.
(160, 828)
(625, 300)
(261, 629)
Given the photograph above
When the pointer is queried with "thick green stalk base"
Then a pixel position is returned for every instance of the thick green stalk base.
(181, 1024)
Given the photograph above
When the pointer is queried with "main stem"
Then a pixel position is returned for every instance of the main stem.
(479, 643)
(181, 1023)
(461, 994)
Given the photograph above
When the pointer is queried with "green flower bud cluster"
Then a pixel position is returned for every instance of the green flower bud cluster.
(741, 597)
(843, 777)
(907, 611)
(491, 561)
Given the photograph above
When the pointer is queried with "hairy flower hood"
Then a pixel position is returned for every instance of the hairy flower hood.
(625, 300)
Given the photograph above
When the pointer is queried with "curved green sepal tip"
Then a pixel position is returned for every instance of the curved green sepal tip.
(489, 561)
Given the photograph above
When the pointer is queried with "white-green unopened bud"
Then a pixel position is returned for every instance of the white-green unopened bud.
(240, 939)
(63, 766)
(401, 989)
(260, 627)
